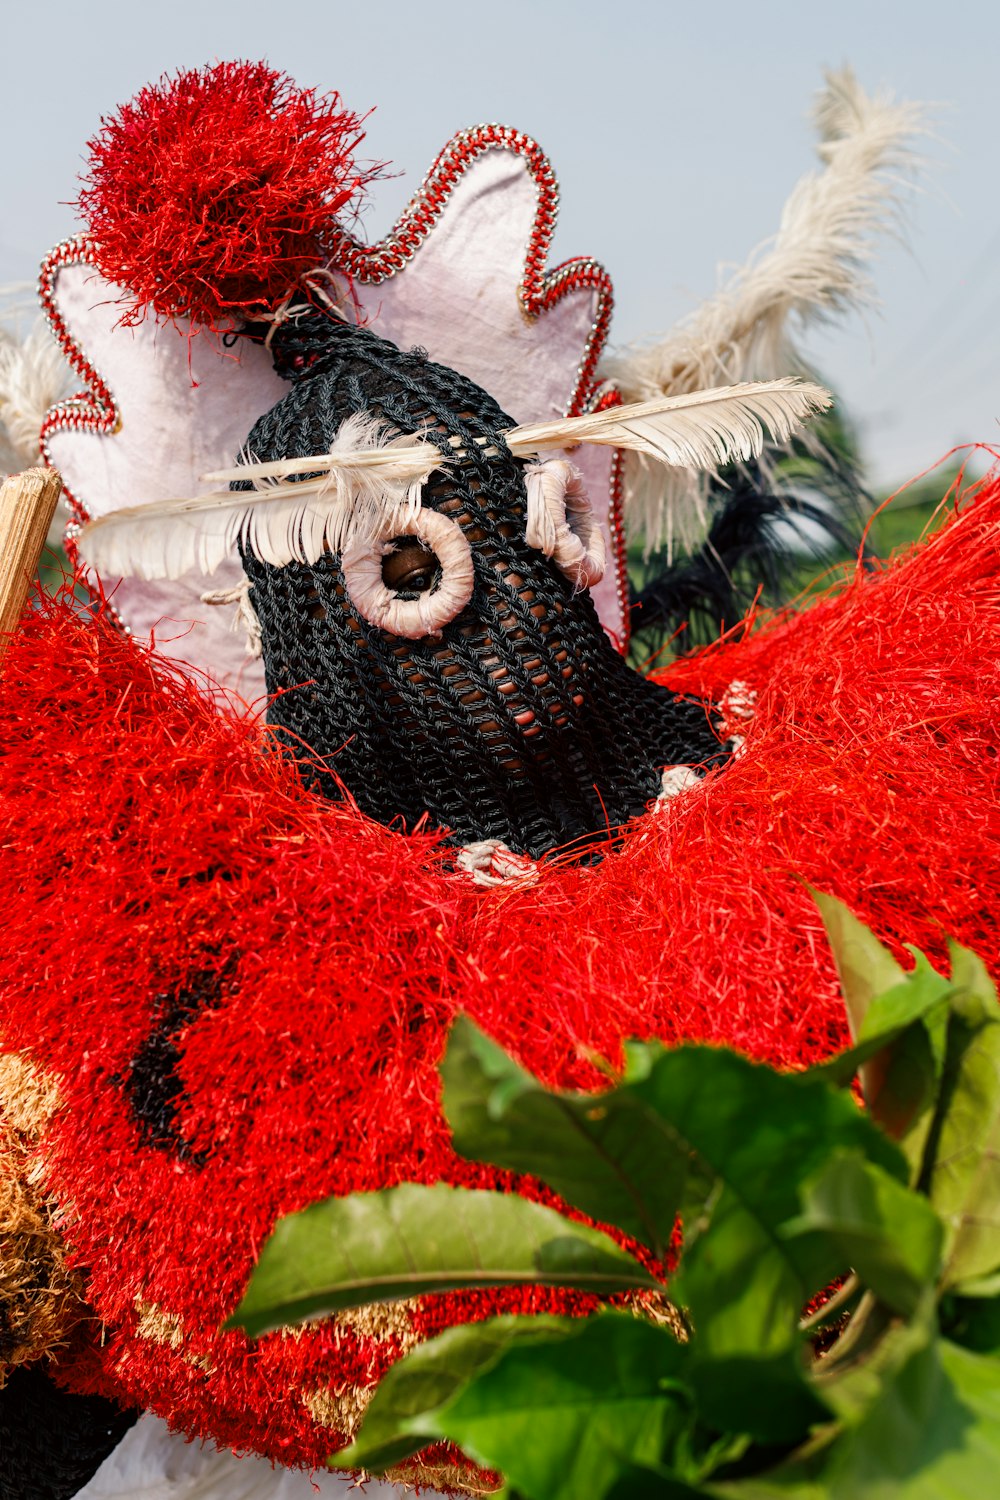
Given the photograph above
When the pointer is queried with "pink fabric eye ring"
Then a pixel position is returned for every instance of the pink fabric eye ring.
(426, 615)
(560, 522)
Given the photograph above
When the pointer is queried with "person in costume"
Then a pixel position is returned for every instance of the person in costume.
(435, 666)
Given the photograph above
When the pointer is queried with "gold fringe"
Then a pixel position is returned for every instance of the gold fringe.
(385, 1322)
(28, 1100)
(382, 1321)
(657, 1308)
(162, 1327)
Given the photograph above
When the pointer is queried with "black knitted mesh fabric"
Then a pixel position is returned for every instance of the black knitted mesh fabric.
(51, 1442)
(521, 723)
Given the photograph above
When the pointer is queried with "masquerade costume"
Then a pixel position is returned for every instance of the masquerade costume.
(253, 983)
(517, 720)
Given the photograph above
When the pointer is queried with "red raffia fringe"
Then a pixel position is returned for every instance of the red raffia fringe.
(214, 191)
(146, 839)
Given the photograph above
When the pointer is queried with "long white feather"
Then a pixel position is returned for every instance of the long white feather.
(815, 268)
(368, 484)
(371, 486)
(700, 430)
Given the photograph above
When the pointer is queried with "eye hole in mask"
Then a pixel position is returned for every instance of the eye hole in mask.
(560, 522)
(410, 569)
(413, 582)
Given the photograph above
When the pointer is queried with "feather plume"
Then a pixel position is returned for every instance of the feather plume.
(814, 269)
(701, 430)
(368, 483)
(370, 487)
(33, 377)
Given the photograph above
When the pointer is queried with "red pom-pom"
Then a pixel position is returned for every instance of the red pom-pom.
(214, 192)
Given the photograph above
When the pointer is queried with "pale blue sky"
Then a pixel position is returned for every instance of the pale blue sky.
(676, 131)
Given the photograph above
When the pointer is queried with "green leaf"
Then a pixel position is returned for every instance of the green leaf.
(784, 1484)
(982, 1286)
(905, 1035)
(651, 1483)
(900, 1033)
(573, 1417)
(973, 1322)
(409, 1241)
(891, 1237)
(934, 1434)
(921, 997)
(760, 1135)
(931, 1431)
(962, 1173)
(867, 969)
(605, 1154)
(769, 1398)
(880, 1345)
(401, 1417)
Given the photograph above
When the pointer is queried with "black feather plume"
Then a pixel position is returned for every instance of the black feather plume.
(768, 537)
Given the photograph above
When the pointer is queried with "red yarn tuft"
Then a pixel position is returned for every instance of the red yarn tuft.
(216, 190)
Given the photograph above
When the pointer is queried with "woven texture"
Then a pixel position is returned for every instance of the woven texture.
(52, 1442)
(522, 723)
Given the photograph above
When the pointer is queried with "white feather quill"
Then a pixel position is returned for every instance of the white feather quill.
(700, 430)
(368, 484)
(370, 481)
(815, 268)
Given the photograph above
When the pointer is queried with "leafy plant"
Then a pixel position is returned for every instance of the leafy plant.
(785, 1189)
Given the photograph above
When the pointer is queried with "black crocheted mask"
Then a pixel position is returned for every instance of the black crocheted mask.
(516, 719)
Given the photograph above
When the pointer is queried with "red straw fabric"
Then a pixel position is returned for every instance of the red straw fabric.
(168, 884)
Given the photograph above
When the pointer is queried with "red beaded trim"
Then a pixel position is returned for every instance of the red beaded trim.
(94, 409)
(90, 410)
(538, 289)
(608, 398)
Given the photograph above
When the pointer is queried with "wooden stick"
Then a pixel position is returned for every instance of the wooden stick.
(27, 505)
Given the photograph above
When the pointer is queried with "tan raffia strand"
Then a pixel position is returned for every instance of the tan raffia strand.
(654, 1307)
(448, 1477)
(384, 1322)
(28, 1099)
(162, 1327)
(40, 1297)
(159, 1326)
(341, 1411)
(27, 505)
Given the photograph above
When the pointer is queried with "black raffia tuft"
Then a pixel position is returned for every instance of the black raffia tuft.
(763, 540)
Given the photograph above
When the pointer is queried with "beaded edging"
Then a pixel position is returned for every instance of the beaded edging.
(539, 289)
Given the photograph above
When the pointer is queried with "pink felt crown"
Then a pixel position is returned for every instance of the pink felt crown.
(463, 274)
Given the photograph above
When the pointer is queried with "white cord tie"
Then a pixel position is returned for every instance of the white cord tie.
(245, 616)
(674, 781)
(560, 522)
(491, 863)
(737, 707)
